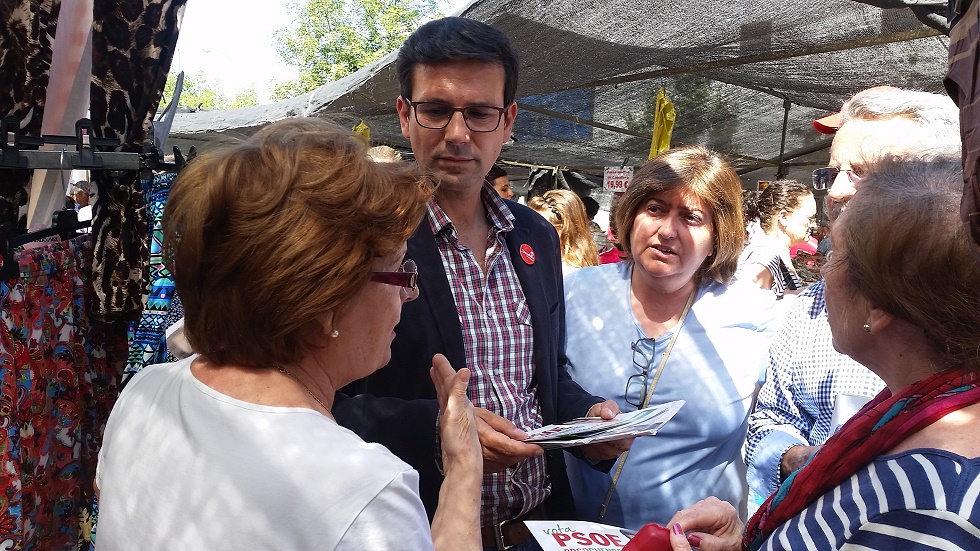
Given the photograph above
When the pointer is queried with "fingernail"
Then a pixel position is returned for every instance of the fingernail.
(677, 529)
(694, 540)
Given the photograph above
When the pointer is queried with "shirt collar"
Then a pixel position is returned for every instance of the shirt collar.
(498, 213)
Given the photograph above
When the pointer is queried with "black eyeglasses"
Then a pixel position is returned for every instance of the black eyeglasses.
(638, 383)
(436, 115)
(823, 178)
(406, 276)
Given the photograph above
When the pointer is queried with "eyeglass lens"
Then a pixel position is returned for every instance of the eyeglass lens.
(823, 178)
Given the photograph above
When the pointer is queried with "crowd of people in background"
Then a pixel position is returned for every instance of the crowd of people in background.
(373, 339)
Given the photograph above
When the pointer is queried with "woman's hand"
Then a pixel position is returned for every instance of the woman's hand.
(457, 422)
(713, 525)
(456, 523)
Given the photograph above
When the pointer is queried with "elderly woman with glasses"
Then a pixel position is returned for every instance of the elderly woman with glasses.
(665, 325)
(287, 251)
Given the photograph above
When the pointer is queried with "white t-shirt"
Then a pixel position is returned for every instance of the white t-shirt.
(183, 466)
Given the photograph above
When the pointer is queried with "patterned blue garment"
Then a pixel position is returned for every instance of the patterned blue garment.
(919, 499)
(804, 379)
(146, 338)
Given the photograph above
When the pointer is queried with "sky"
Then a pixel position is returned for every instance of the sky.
(231, 42)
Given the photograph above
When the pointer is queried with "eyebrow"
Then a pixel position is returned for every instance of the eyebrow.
(680, 206)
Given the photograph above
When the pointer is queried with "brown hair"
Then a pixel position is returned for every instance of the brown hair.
(566, 212)
(266, 235)
(918, 266)
(781, 195)
(706, 175)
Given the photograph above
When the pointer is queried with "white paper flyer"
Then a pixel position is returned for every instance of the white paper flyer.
(587, 430)
(577, 536)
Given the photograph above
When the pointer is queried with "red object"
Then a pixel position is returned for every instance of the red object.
(828, 124)
(809, 247)
(611, 256)
(527, 254)
(652, 537)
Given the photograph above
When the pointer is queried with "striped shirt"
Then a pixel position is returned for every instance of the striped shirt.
(919, 499)
(763, 250)
(804, 378)
(497, 339)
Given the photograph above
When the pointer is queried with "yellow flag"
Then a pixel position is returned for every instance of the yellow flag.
(663, 125)
(363, 131)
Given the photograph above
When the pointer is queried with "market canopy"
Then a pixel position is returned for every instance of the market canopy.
(736, 72)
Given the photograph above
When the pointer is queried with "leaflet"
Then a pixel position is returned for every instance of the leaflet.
(588, 430)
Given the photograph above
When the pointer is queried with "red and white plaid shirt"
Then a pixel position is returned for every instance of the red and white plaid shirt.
(498, 341)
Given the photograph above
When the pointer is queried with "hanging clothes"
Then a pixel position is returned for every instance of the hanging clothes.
(132, 47)
(59, 376)
(27, 30)
(147, 344)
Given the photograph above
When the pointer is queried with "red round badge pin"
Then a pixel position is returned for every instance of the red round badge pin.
(527, 254)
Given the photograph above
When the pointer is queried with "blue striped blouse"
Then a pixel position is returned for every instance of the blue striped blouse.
(919, 499)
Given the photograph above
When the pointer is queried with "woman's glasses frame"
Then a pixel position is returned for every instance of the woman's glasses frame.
(406, 276)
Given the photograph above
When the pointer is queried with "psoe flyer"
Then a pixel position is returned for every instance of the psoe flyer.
(577, 536)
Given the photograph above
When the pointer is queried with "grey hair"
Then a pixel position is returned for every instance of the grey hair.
(936, 115)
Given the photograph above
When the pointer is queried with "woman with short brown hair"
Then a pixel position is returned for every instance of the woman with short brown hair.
(287, 251)
(665, 325)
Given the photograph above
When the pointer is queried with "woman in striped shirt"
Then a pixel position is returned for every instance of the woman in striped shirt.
(902, 298)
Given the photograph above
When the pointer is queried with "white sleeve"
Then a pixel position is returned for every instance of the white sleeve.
(394, 520)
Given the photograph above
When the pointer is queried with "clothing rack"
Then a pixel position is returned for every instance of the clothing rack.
(20, 152)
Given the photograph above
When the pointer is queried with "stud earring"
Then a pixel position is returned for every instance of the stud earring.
(867, 327)
(334, 334)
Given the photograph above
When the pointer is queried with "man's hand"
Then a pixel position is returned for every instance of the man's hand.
(501, 442)
(794, 458)
(605, 450)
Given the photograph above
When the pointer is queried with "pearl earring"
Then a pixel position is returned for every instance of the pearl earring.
(334, 334)
(867, 327)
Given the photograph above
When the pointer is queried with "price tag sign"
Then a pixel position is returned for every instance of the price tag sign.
(615, 178)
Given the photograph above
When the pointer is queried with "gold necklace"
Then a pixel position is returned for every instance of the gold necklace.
(306, 388)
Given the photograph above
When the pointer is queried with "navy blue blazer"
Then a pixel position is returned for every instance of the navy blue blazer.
(396, 406)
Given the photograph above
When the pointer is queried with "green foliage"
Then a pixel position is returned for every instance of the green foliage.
(245, 98)
(199, 91)
(330, 39)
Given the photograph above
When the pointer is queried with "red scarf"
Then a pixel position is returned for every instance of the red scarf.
(880, 426)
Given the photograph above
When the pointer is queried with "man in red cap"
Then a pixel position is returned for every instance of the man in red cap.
(807, 380)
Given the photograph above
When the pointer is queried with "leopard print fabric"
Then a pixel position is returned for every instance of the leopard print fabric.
(27, 30)
(132, 48)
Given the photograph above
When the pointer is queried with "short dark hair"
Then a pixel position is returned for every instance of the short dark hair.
(457, 39)
(591, 206)
(496, 172)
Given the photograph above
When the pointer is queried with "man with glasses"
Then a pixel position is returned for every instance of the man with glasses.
(490, 294)
(807, 378)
